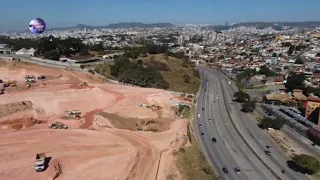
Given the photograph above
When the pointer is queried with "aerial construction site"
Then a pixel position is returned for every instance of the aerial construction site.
(62, 124)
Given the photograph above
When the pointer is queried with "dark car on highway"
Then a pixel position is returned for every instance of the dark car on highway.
(202, 109)
(202, 134)
(209, 119)
(237, 170)
(225, 170)
(268, 152)
(214, 140)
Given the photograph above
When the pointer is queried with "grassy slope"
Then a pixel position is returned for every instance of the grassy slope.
(175, 75)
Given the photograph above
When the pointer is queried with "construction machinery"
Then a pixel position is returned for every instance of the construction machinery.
(144, 125)
(156, 104)
(41, 77)
(148, 122)
(58, 125)
(40, 162)
(2, 91)
(11, 83)
(30, 79)
(84, 84)
(73, 112)
(35, 121)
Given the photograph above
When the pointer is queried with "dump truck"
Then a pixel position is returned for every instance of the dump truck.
(35, 121)
(40, 162)
(73, 112)
(58, 125)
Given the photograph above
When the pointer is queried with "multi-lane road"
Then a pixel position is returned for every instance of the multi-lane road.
(239, 141)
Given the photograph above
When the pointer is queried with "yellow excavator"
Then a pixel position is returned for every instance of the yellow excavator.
(156, 104)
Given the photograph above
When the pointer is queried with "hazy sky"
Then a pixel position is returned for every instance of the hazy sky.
(16, 14)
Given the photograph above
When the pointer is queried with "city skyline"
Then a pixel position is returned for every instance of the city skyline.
(100, 13)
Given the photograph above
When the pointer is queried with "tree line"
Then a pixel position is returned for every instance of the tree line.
(136, 74)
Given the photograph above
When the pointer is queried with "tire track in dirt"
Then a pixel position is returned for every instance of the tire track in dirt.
(143, 165)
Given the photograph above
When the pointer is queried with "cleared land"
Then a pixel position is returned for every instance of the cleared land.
(103, 144)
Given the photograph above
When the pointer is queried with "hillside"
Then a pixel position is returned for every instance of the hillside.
(177, 73)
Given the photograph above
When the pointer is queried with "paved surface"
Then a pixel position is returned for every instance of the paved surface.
(229, 151)
(255, 138)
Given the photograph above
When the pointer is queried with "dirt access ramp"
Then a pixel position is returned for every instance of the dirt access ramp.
(146, 124)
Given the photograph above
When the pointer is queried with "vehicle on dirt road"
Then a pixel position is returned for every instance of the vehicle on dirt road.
(40, 162)
(58, 125)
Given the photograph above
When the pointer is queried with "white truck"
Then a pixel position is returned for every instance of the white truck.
(40, 162)
(198, 116)
(73, 112)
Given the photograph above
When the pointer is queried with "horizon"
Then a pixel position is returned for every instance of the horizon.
(102, 13)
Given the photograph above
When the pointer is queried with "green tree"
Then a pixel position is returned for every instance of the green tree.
(52, 55)
(291, 49)
(266, 71)
(248, 106)
(187, 78)
(83, 51)
(271, 123)
(298, 60)
(241, 96)
(295, 81)
(309, 163)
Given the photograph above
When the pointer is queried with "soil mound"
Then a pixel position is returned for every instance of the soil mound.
(11, 108)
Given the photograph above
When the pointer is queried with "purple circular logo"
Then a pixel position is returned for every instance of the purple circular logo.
(37, 26)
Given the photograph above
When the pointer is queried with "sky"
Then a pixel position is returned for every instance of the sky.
(16, 14)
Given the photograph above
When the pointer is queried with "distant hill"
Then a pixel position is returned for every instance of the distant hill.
(119, 25)
(262, 25)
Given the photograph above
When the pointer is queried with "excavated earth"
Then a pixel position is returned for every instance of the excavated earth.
(103, 144)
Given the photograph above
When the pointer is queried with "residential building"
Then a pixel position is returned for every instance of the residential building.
(28, 52)
(5, 49)
(312, 110)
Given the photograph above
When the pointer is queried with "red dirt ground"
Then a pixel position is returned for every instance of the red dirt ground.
(97, 146)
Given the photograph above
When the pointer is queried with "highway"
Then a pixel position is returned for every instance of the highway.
(241, 139)
(229, 151)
